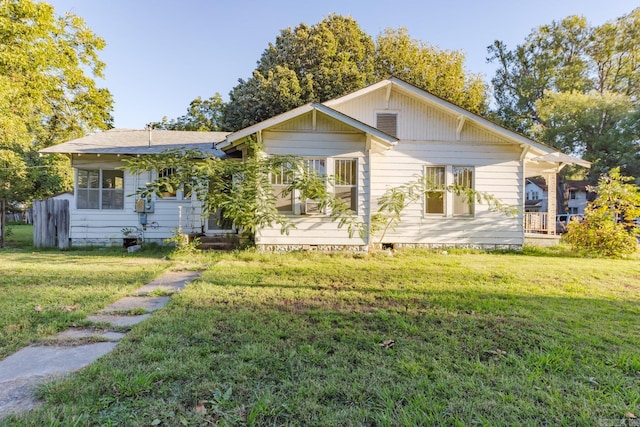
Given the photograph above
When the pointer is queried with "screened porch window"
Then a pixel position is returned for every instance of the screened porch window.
(280, 180)
(100, 189)
(316, 167)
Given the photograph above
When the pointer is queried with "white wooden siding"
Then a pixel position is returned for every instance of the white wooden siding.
(318, 229)
(417, 120)
(104, 226)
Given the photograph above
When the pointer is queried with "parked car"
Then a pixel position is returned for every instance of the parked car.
(562, 221)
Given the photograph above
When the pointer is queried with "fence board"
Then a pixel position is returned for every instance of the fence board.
(51, 223)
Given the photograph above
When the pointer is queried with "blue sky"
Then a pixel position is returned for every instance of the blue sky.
(162, 54)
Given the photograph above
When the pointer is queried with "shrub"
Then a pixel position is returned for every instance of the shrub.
(608, 227)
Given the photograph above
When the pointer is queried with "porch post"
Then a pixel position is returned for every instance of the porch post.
(552, 202)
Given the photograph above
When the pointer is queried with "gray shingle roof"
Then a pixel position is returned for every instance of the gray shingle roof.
(130, 141)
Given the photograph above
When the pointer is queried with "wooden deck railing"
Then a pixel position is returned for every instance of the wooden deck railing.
(537, 222)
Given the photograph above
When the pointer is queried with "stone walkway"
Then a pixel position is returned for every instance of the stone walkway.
(73, 349)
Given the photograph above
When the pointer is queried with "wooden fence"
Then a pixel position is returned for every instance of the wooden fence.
(51, 223)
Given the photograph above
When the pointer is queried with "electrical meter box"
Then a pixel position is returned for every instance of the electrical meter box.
(144, 205)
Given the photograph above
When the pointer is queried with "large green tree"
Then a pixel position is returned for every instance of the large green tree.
(440, 72)
(335, 57)
(202, 115)
(601, 127)
(48, 94)
(576, 87)
(307, 63)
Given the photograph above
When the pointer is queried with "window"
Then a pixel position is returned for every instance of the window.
(100, 189)
(462, 179)
(387, 123)
(435, 196)
(440, 201)
(319, 168)
(345, 185)
(169, 188)
(346, 178)
(573, 194)
(280, 180)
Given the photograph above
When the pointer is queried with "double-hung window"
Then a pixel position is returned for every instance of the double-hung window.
(100, 189)
(435, 195)
(317, 167)
(280, 180)
(462, 199)
(346, 180)
(446, 190)
(343, 185)
(170, 188)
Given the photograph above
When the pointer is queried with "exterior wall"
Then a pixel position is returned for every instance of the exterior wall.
(577, 205)
(497, 172)
(103, 227)
(330, 139)
(428, 136)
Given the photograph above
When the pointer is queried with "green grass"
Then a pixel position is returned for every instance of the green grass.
(45, 292)
(19, 235)
(299, 339)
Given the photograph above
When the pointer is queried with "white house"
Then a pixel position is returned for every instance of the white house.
(578, 196)
(382, 136)
(104, 210)
(536, 196)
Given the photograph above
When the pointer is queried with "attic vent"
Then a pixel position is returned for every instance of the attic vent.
(387, 123)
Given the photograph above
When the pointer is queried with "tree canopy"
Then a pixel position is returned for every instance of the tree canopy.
(576, 87)
(202, 115)
(335, 57)
(48, 94)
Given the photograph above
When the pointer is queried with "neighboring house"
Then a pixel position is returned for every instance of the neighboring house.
(577, 196)
(382, 136)
(536, 195)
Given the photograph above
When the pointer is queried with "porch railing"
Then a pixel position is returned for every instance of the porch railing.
(537, 222)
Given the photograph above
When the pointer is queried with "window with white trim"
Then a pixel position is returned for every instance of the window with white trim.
(438, 197)
(317, 167)
(280, 180)
(346, 182)
(435, 196)
(344, 185)
(169, 189)
(463, 179)
(100, 189)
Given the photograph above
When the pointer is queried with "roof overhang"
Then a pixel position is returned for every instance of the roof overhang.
(533, 150)
(140, 142)
(237, 138)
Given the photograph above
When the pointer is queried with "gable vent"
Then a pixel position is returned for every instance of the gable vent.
(387, 123)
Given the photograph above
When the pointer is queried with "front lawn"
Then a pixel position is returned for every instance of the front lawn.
(416, 338)
(45, 292)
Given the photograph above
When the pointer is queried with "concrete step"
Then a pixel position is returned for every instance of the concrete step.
(218, 243)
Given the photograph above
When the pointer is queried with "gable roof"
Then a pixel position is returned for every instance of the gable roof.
(130, 141)
(296, 112)
(541, 149)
